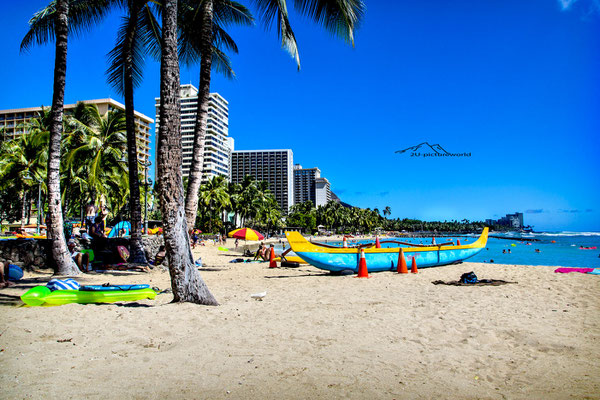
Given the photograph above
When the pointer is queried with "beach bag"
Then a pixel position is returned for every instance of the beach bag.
(468, 277)
(63, 284)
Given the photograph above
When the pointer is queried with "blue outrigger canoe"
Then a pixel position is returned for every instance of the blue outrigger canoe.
(337, 259)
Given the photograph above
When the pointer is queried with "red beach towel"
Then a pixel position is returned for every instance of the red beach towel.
(567, 270)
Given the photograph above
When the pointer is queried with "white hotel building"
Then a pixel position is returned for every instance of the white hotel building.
(217, 143)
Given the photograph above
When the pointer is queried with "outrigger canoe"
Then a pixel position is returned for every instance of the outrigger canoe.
(337, 259)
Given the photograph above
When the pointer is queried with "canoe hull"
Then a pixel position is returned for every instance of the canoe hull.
(337, 259)
(385, 261)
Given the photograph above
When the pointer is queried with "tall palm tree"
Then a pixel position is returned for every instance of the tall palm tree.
(138, 33)
(186, 283)
(43, 30)
(387, 211)
(339, 17)
(202, 38)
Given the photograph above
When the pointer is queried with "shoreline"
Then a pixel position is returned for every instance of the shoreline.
(313, 336)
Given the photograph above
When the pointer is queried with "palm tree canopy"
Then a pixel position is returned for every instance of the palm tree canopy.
(339, 17)
(225, 14)
(83, 15)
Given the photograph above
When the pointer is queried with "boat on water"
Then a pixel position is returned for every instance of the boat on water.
(338, 259)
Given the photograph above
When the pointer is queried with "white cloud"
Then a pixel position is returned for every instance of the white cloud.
(566, 4)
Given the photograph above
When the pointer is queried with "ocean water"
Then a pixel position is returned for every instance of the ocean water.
(564, 252)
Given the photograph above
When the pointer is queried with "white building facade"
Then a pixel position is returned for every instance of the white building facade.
(217, 143)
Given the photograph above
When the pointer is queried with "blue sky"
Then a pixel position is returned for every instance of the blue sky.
(513, 83)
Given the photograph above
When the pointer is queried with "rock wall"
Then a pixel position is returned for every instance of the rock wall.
(35, 254)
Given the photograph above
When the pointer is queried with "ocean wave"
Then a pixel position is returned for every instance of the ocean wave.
(567, 233)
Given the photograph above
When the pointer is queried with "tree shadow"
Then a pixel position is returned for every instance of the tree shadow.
(9, 300)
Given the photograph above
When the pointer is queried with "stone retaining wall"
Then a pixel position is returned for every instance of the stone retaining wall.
(35, 254)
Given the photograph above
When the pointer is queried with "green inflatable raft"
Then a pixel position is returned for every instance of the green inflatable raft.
(42, 296)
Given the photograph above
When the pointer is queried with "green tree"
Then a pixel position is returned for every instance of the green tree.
(214, 196)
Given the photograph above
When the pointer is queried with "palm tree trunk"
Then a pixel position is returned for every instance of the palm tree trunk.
(135, 208)
(64, 263)
(186, 282)
(195, 175)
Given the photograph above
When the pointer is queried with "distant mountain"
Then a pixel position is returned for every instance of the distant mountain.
(334, 197)
(425, 147)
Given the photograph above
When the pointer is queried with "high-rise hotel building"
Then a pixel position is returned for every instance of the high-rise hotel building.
(217, 143)
(14, 122)
(272, 166)
(309, 185)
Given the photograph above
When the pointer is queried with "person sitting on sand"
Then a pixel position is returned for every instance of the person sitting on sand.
(4, 282)
(81, 259)
(261, 253)
(160, 256)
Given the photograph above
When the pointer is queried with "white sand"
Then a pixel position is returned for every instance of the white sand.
(313, 336)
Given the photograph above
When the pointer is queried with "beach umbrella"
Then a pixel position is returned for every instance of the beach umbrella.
(246, 234)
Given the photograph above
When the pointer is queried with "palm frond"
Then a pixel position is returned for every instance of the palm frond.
(276, 11)
(222, 64)
(339, 17)
(227, 13)
(150, 31)
(120, 54)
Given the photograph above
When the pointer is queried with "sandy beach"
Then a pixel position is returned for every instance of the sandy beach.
(313, 336)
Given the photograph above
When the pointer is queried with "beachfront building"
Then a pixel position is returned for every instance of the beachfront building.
(310, 186)
(217, 143)
(322, 191)
(514, 221)
(272, 166)
(14, 122)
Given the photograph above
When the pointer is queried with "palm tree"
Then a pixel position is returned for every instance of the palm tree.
(139, 32)
(42, 30)
(213, 194)
(338, 17)
(186, 283)
(100, 141)
(22, 166)
(202, 37)
(387, 211)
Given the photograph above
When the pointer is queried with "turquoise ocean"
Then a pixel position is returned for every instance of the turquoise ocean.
(555, 248)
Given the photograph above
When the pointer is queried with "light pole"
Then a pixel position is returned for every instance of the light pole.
(39, 216)
(146, 165)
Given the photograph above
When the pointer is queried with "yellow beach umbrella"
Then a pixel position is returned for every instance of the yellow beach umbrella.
(246, 234)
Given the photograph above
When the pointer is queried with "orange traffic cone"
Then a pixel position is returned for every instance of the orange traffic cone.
(344, 242)
(402, 269)
(458, 242)
(272, 262)
(377, 244)
(363, 272)
(414, 269)
(433, 241)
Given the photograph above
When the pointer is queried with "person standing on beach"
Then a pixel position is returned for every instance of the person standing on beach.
(90, 215)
